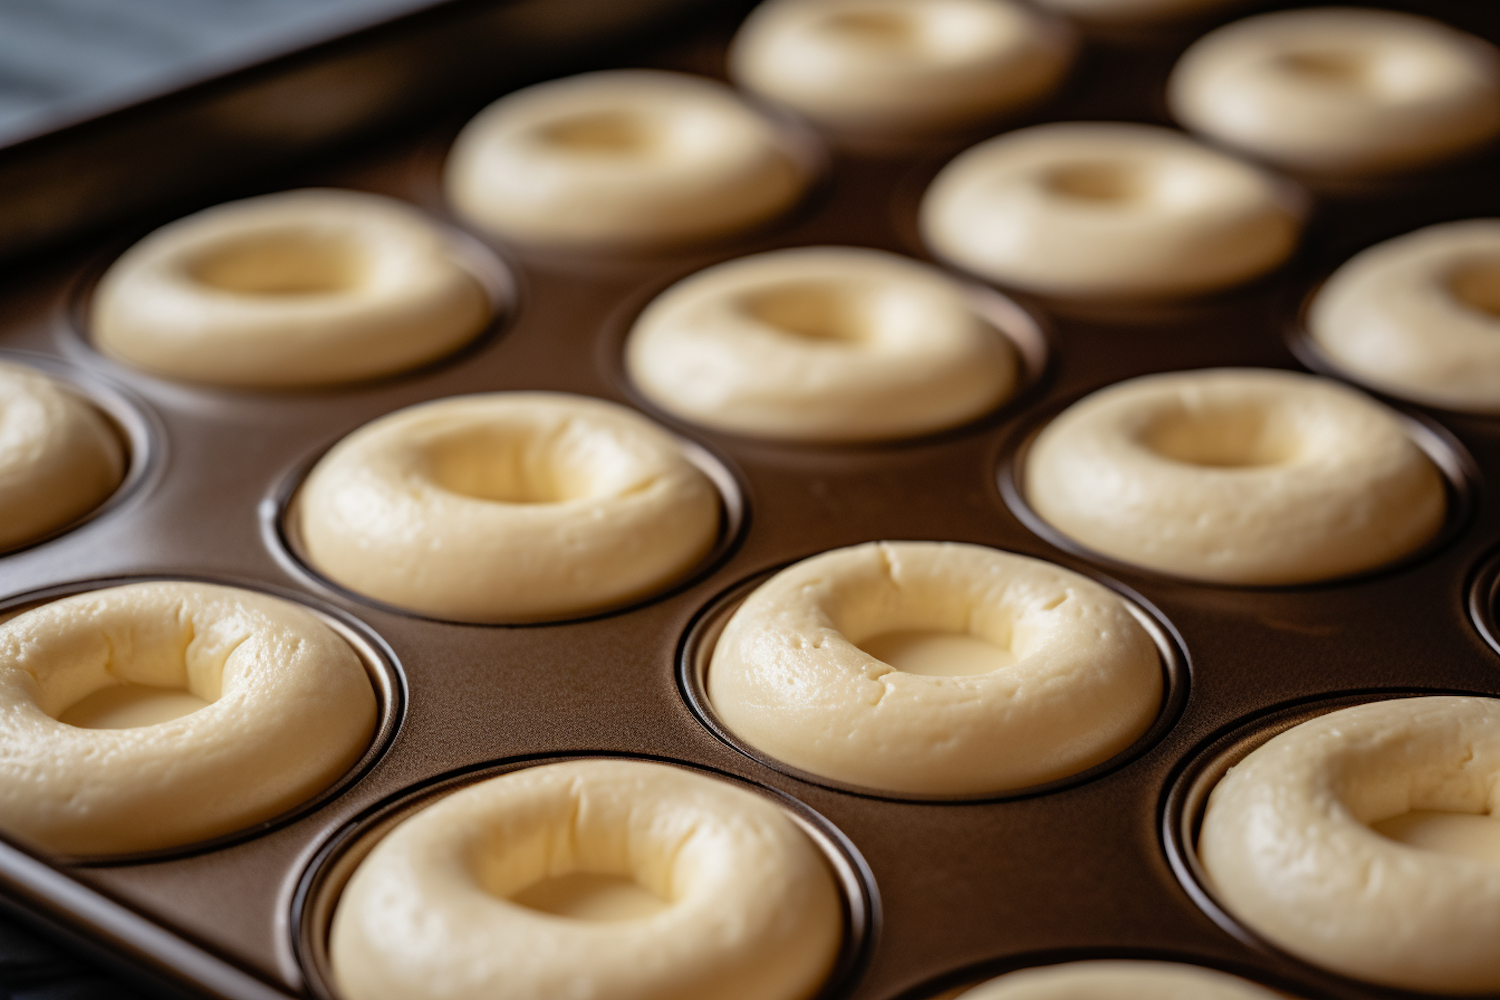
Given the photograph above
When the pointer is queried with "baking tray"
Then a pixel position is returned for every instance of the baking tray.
(950, 890)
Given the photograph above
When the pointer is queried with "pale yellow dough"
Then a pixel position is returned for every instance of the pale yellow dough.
(1236, 475)
(745, 906)
(1108, 979)
(59, 457)
(622, 159)
(873, 70)
(299, 288)
(1418, 316)
(287, 709)
(1309, 841)
(1070, 677)
(507, 506)
(1108, 210)
(1340, 90)
(822, 344)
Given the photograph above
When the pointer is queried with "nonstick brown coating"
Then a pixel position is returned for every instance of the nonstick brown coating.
(961, 887)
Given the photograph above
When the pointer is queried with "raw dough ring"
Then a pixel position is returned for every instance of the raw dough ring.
(59, 457)
(506, 507)
(1340, 90)
(621, 159)
(299, 288)
(874, 70)
(822, 344)
(1107, 979)
(1418, 316)
(1240, 476)
(752, 914)
(292, 709)
(1289, 849)
(789, 675)
(1110, 211)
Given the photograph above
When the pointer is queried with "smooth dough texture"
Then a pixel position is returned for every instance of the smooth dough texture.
(301, 288)
(872, 70)
(1241, 476)
(1289, 848)
(1107, 979)
(1340, 90)
(59, 457)
(820, 343)
(1076, 677)
(1108, 210)
(507, 506)
(621, 159)
(746, 906)
(290, 710)
(1419, 316)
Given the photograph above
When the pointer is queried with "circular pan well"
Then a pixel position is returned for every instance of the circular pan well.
(380, 663)
(1459, 471)
(697, 647)
(1484, 599)
(1027, 333)
(1186, 797)
(139, 431)
(322, 881)
(280, 535)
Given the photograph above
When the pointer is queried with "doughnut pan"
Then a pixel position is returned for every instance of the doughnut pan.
(942, 892)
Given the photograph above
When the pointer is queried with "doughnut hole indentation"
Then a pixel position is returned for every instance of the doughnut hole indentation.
(606, 133)
(1476, 284)
(815, 311)
(936, 653)
(281, 262)
(1231, 437)
(1343, 68)
(1457, 834)
(884, 29)
(1100, 182)
(512, 465)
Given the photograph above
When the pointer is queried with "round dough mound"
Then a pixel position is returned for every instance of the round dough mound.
(1119, 980)
(507, 507)
(290, 710)
(620, 159)
(894, 69)
(1108, 210)
(1071, 676)
(1340, 90)
(59, 457)
(822, 344)
(1289, 847)
(746, 908)
(300, 288)
(1419, 316)
(1240, 476)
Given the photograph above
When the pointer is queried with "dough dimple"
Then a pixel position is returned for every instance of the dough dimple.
(1349, 841)
(1073, 678)
(245, 705)
(611, 879)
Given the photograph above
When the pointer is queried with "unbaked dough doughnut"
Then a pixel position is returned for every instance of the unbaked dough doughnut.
(507, 506)
(620, 159)
(96, 755)
(820, 343)
(1340, 90)
(1419, 316)
(1115, 979)
(59, 457)
(935, 668)
(723, 896)
(877, 70)
(1364, 841)
(1108, 210)
(1236, 475)
(299, 288)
